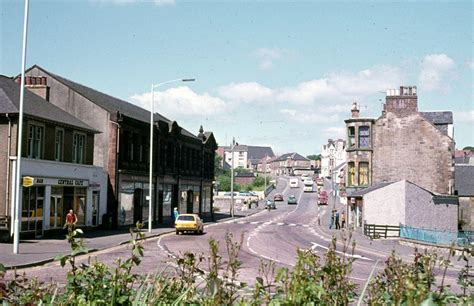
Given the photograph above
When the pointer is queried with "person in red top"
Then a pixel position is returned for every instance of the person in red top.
(71, 219)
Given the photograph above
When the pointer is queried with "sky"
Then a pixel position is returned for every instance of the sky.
(275, 73)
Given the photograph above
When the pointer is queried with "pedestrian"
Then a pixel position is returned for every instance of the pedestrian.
(343, 219)
(332, 220)
(175, 213)
(338, 225)
(71, 220)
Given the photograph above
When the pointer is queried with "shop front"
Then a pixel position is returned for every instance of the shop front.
(46, 199)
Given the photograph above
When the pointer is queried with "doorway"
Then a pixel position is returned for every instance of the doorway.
(189, 202)
(137, 205)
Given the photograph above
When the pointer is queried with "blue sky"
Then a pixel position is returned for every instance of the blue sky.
(269, 73)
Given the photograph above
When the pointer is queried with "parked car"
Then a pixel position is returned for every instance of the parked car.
(189, 223)
(323, 197)
(278, 197)
(228, 194)
(270, 205)
(292, 200)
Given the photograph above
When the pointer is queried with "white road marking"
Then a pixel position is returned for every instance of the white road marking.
(280, 223)
(255, 222)
(291, 224)
(315, 245)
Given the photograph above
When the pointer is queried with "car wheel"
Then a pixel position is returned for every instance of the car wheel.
(177, 232)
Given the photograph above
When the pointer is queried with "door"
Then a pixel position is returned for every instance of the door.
(137, 205)
(160, 206)
(189, 202)
(95, 207)
(56, 210)
(39, 214)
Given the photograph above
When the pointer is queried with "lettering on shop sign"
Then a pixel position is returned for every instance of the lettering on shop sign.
(60, 182)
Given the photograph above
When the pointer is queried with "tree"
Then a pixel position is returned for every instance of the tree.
(314, 157)
(469, 148)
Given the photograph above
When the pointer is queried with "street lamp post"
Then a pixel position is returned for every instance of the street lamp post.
(150, 187)
(232, 179)
(17, 205)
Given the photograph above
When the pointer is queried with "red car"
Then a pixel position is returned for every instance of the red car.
(278, 197)
(323, 198)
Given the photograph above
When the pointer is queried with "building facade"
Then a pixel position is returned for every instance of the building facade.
(332, 155)
(57, 163)
(245, 156)
(183, 167)
(287, 163)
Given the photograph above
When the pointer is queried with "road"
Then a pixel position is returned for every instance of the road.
(267, 235)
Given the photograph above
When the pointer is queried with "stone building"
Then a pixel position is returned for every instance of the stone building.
(57, 164)
(287, 163)
(245, 156)
(183, 162)
(333, 154)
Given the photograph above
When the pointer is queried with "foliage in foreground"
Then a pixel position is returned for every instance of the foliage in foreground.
(314, 280)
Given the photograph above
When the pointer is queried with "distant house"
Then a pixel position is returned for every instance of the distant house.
(464, 188)
(246, 156)
(404, 203)
(333, 154)
(286, 163)
(244, 178)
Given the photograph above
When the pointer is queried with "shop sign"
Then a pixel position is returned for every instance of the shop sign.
(28, 181)
(60, 182)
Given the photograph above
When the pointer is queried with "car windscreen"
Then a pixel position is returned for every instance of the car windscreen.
(185, 218)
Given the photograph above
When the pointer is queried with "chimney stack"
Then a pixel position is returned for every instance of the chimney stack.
(37, 85)
(402, 102)
(355, 110)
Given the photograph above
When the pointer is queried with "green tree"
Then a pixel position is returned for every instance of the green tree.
(469, 148)
(314, 157)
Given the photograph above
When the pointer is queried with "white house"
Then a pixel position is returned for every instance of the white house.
(333, 154)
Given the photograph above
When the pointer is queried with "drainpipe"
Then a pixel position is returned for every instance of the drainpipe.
(7, 188)
(117, 151)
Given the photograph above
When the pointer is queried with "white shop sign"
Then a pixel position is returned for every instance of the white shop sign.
(42, 181)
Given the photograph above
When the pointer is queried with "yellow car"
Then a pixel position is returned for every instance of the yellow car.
(189, 223)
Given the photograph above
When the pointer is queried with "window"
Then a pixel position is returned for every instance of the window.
(364, 136)
(35, 141)
(363, 174)
(59, 144)
(78, 148)
(351, 134)
(351, 174)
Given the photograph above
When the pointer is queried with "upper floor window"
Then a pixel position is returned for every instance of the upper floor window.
(59, 144)
(35, 141)
(363, 174)
(351, 134)
(78, 148)
(364, 136)
(351, 174)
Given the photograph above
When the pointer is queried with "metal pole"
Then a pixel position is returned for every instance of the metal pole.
(16, 232)
(265, 176)
(232, 180)
(150, 187)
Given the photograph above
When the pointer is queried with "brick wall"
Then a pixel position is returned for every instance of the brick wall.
(409, 147)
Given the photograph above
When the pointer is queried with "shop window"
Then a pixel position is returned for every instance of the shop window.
(351, 174)
(351, 134)
(78, 148)
(32, 210)
(364, 174)
(35, 141)
(59, 144)
(364, 136)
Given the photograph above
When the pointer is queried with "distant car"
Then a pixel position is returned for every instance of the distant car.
(270, 204)
(189, 223)
(304, 176)
(293, 183)
(228, 194)
(292, 200)
(278, 197)
(319, 181)
(323, 198)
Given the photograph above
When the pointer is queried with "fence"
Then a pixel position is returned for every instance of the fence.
(439, 237)
(376, 231)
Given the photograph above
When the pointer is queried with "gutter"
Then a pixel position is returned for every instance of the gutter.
(7, 185)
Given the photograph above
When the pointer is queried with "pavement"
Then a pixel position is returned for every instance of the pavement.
(34, 252)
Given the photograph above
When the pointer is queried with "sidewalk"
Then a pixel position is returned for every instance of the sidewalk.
(35, 252)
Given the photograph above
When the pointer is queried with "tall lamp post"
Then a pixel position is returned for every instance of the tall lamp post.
(17, 204)
(150, 187)
(232, 178)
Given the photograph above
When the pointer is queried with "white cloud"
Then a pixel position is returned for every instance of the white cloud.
(434, 71)
(181, 102)
(335, 132)
(467, 116)
(309, 117)
(245, 92)
(267, 57)
(470, 64)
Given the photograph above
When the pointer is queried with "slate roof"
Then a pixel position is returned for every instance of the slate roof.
(256, 153)
(294, 156)
(364, 191)
(438, 117)
(34, 106)
(112, 104)
(464, 180)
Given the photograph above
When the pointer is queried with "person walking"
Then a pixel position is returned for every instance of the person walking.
(343, 219)
(175, 213)
(332, 220)
(71, 220)
(338, 225)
